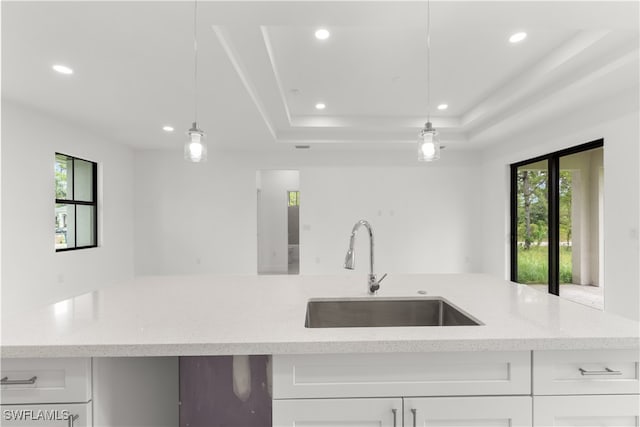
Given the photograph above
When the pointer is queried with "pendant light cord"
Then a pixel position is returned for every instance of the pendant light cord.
(428, 62)
(195, 59)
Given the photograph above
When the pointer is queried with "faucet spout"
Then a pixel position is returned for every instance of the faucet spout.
(349, 260)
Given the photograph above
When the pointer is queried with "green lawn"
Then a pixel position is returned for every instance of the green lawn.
(533, 266)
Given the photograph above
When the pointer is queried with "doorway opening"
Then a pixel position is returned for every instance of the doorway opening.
(557, 204)
(278, 216)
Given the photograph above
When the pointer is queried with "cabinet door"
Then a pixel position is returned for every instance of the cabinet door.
(337, 413)
(53, 415)
(583, 411)
(511, 411)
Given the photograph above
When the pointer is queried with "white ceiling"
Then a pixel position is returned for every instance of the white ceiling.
(262, 71)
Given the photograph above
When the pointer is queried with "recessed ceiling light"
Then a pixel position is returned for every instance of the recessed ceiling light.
(443, 106)
(517, 37)
(322, 34)
(62, 69)
(320, 106)
(167, 128)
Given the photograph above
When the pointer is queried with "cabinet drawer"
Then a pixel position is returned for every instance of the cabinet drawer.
(585, 372)
(407, 374)
(54, 415)
(46, 380)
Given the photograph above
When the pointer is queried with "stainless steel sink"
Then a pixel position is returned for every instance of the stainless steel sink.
(378, 312)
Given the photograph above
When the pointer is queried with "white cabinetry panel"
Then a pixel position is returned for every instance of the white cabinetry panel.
(53, 380)
(586, 372)
(135, 391)
(509, 411)
(409, 374)
(583, 411)
(337, 413)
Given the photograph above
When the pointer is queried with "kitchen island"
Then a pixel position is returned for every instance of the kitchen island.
(534, 359)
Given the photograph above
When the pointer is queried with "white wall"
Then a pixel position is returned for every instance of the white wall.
(273, 231)
(196, 218)
(422, 218)
(32, 272)
(617, 121)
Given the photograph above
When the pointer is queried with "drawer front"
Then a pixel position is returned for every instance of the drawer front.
(46, 380)
(586, 372)
(54, 415)
(408, 374)
(575, 411)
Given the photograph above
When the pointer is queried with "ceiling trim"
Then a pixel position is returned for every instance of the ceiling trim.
(276, 74)
(240, 69)
(525, 84)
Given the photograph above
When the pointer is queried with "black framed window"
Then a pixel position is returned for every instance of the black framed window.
(76, 209)
(555, 220)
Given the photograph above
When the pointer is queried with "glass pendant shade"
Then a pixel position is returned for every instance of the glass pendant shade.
(428, 144)
(195, 149)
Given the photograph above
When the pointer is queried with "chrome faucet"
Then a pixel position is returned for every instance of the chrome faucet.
(349, 261)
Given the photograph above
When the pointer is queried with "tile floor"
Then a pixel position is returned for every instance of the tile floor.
(592, 296)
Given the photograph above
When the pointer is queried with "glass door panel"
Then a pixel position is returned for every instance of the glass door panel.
(532, 219)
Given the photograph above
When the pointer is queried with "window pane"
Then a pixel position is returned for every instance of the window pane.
(86, 225)
(83, 176)
(64, 177)
(65, 226)
(581, 226)
(532, 222)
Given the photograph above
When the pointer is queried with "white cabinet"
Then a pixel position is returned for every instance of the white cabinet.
(586, 388)
(375, 389)
(507, 411)
(84, 392)
(586, 372)
(337, 412)
(515, 389)
(582, 411)
(402, 374)
(504, 411)
(46, 392)
(45, 380)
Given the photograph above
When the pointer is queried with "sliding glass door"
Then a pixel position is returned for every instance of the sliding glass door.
(556, 222)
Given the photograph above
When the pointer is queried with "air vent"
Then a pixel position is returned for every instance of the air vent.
(303, 147)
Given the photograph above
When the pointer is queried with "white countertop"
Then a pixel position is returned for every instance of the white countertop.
(211, 315)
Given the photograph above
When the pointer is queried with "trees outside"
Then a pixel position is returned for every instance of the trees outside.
(533, 225)
(532, 207)
(565, 206)
(61, 177)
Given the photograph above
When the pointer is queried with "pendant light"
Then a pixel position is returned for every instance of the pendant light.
(428, 139)
(195, 149)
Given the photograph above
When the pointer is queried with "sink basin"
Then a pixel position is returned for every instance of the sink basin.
(377, 312)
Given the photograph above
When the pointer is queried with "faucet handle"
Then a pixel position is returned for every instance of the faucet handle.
(374, 284)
